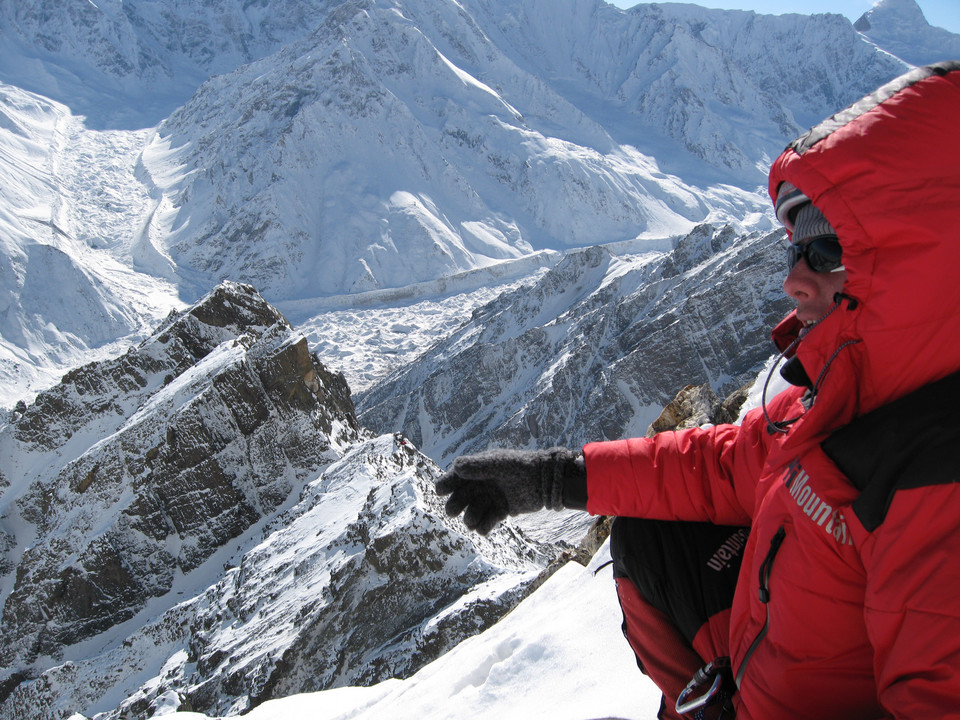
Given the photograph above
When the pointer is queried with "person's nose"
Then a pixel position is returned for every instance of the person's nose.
(800, 281)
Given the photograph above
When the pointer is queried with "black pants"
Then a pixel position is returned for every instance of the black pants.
(675, 583)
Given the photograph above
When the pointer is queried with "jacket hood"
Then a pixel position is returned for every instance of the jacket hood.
(886, 174)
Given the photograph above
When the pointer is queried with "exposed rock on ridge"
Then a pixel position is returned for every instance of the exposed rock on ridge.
(213, 487)
(593, 350)
(194, 435)
(361, 580)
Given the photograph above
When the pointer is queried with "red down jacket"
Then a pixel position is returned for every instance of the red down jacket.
(848, 600)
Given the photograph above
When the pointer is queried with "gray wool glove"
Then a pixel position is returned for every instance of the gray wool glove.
(490, 485)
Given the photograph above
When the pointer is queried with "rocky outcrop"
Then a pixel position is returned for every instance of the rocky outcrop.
(137, 470)
(203, 521)
(697, 405)
(361, 580)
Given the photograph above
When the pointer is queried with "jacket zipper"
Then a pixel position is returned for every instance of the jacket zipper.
(765, 569)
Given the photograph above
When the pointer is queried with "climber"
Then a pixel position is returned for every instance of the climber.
(817, 544)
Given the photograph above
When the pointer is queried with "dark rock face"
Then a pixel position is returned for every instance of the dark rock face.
(146, 465)
(96, 390)
(697, 405)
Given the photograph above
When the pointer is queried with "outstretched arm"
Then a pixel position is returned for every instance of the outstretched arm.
(700, 474)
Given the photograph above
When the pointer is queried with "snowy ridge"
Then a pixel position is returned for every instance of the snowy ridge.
(590, 351)
(560, 653)
(205, 514)
(274, 622)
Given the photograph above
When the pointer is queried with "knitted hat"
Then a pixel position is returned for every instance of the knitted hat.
(801, 217)
(810, 223)
(789, 198)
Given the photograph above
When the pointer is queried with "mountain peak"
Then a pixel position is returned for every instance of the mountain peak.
(900, 27)
(214, 465)
(888, 12)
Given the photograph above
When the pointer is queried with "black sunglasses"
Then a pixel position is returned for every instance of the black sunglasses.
(823, 254)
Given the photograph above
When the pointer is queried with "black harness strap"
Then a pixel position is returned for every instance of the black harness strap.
(909, 443)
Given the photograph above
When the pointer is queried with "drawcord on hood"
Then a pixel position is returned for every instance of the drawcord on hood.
(782, 426)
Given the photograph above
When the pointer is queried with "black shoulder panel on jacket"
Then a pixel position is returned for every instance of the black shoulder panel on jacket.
(909, 443)
(883, 93)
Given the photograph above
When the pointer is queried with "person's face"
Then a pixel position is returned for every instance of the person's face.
(813, 291)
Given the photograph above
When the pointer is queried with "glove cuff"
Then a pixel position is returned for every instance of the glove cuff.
(565, 486)
(574, 490)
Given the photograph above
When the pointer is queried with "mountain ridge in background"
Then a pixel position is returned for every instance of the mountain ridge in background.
(380, 146)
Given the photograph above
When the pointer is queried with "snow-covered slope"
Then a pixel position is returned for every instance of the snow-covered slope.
(68, 291)
(399, 143)
(128, 64)
(372, 155)
(677, 80)
(559, 655)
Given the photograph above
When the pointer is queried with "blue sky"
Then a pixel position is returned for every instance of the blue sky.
(942, 13)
